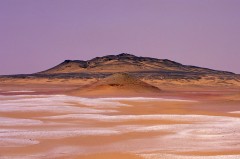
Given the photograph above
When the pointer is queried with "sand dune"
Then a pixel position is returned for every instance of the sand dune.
(119, 84)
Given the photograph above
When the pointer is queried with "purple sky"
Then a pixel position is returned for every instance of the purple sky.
(38, 34)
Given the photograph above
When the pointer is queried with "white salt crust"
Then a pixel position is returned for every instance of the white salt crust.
(116, 118)
(63, 103)
(55, 134)
(147, 99)
(17, 142)
(71, 150)
(20, 91)
(4, 121)
(235, 112)
(206, 132)
(56, 103)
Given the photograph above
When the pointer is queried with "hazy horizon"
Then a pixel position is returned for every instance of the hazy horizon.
(37, 35)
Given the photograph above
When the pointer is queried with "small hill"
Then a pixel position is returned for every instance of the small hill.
(119, 84)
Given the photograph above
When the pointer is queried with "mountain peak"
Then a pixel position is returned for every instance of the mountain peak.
(125, 55)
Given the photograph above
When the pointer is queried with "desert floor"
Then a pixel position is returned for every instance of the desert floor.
(44, 122)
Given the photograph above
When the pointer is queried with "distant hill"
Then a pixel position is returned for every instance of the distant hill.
(151, 70)
(127, 63)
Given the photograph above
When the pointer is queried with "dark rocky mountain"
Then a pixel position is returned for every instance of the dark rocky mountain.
(141, 67)
(127, 63)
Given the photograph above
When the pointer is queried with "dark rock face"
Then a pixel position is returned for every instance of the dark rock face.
(81, 63)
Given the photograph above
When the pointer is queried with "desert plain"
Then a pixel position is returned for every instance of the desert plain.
(46, 121)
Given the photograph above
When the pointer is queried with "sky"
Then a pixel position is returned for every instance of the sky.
(38, 34)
